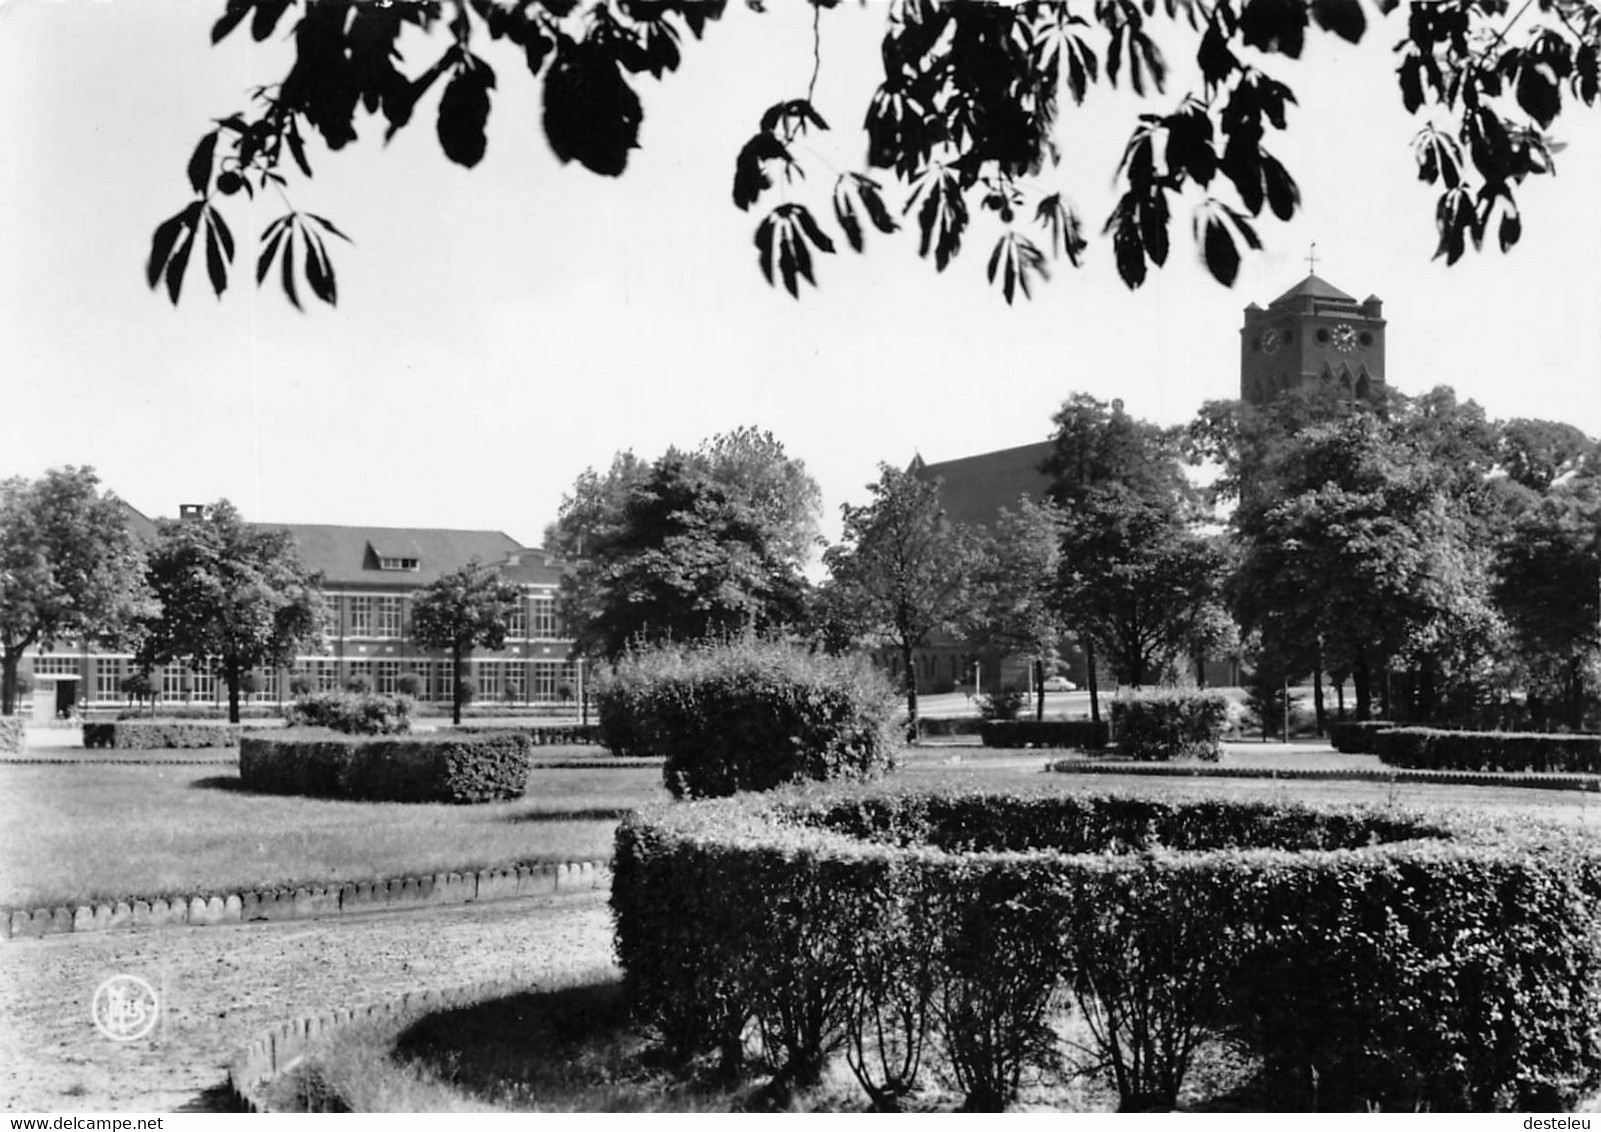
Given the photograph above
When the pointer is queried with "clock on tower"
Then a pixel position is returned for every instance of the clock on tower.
(1313, 336)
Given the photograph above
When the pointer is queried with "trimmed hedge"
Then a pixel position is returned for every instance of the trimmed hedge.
(1355, 737)
(214, 713)
(353, 712)
(540, 736)
(748, 715)
(1174, 723)
(1426, 748)
(12, 735)
(1446, 965)
(157, 734)
(1081, 734)
(947, 726)
(442, 767)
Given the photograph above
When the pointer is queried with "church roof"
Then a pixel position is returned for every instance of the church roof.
(975, 488)
(1313, 287)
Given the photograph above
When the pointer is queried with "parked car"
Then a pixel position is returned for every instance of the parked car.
(1059, 684)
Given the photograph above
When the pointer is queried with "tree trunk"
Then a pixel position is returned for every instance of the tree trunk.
(1089, 670)
(1039, 690)
(232, 674)
(8, 681)
(911, 692)
(1339, 699)
(1317, 698)
(1362, 682)
(455, 686)
(1575, 693)
(1200, 668)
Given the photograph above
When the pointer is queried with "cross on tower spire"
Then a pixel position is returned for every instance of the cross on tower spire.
(1311, 259)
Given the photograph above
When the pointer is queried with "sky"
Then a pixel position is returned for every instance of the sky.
(501, 329)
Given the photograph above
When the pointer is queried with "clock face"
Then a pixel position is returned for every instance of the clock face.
(1272, 341)
(1344, 338)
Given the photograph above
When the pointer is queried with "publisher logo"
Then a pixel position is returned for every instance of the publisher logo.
(125, 1008)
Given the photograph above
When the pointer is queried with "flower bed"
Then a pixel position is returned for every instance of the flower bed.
(1447, 965)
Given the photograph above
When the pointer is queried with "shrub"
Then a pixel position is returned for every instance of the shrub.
(353, 713)
(442, 767)
(1170, 723)
(410, 685)
(12, 736)
(302, 685)
(468, 687)
(359, 683)
(197, 712)
(748, 715)
(137, 685)
(1355, 737)
(1005, 704)
(540, 736)
(1431, 749)
(250, 683)
(159, 734)
(1448, 965)
(1081, 734)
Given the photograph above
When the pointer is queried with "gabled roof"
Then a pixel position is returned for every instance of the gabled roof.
(1313, 287)
(975, 488)
(349, 555)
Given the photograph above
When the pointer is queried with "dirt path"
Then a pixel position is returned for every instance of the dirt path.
(221, 986)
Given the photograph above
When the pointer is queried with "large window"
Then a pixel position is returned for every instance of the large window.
(108, 675)
(388, 623)
(517, 623)
(359, 669)
(444, 672)
(388, 673)
(544, 624)
(358, 619)
(55, 666)
(489, 679)
(330, 616)
(545, 679)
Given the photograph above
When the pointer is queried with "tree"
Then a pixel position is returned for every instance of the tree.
(470, 607)
(1548, 582)
(691, 546)
(234, 596)
(901, 569)
(963, 121)
(1013, 611)
(69, 567)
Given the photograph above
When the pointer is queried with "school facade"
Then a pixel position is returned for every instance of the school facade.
(370, 580)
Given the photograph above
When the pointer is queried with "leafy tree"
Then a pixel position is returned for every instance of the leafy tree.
(1013, 608)
(1548, 582)
(963, 122)
(901, 570)
(1536, 454)
(684, 559)
(234, 596)
(69, 567)
(470, 607)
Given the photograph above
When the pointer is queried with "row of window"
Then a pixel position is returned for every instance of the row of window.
(500, 681)
(382, 618)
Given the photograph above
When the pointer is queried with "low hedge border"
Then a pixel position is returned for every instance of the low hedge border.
(276, 1051)
(945, 727)
(1355, 737)
(153, 735)
(13, 735)
(1082, 734)
(69, 760)
(1427, 748)
(441, 766)
(1451, 963)
(1591, 783)
(308, 901)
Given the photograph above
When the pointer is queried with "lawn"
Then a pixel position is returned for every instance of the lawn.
(71, 833)
(75, 833)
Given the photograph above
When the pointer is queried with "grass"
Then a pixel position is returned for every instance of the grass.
(70, 834)
(75, 833)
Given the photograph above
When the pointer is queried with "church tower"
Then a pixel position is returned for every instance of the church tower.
(1313, 335)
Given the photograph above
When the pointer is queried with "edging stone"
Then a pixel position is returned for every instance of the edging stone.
(307, 902)
(1529, 780)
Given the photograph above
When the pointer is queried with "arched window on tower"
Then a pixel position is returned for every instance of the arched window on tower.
(1364, 388)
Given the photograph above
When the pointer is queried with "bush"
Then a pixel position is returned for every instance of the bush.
(353, 713)
(1427, 748)
(1170, 723)
(443, 767)
(410, 685)
(302, 685)
(749, 715)
(1355, 737)
(159, 734)
(1081, 734)
(1005, 704)
(250, 683)
(359, 684)
(137, 685)
(1448, 965)
(12, 736)
(197, 712)
(947, 726)
(540, 736)
(468, 687)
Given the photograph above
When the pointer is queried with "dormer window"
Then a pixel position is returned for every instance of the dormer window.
(399, 564)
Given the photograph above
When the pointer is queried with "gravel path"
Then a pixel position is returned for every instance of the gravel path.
(221, 986)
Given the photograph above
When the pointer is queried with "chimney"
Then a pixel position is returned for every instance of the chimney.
(188, 511)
